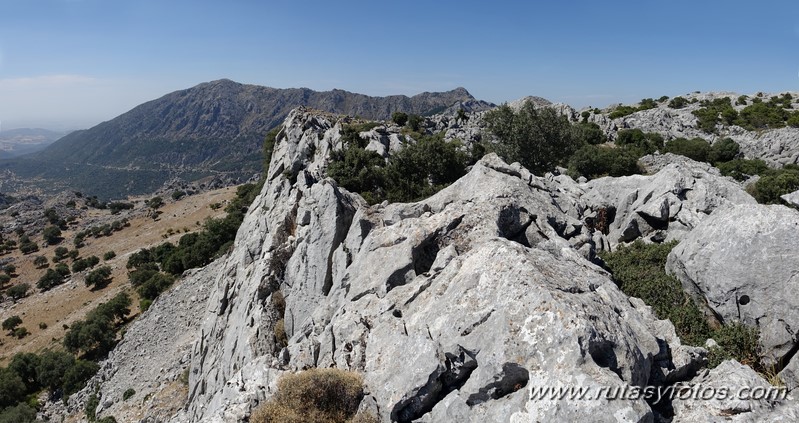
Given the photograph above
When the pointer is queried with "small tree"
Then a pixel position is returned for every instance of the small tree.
(50, 279)
(52, 234)
(400, 118)
(109, 255)
(40, 262)
(154, 203)
(99, 278)
(11, 323)
(538, 138)
(60, 253)
(18, 292)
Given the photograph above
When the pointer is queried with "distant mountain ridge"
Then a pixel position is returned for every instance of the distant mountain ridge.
(214, 127)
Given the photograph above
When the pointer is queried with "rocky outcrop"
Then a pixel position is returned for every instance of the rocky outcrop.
(456, 307)
(465, 306)
(732, 392)
(777, 147)
(664, 206)
(743, 263)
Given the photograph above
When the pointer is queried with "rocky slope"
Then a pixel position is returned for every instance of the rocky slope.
(777, 147)
(214, 128)
(455, 308)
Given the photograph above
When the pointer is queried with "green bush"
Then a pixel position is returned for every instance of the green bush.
(735, 341)
(416, 171)
(20, 332)
(420, 170)
(62, 269)
(4, 279)
(415, 122)
(678, 103)
(49, 280)
(26, 246)
(724, 150)
(622, 111)
(774, 184)
(20, 413)
(11, 323)
(117, 207)
(399, 118)
(589, 133)
(52, 234)
(99, 278)
(77, 375)
(638, 269)
(91, 407)
(40, 262)
(19, 291)
(742, 169)
(696, 148)
(596, 161)
(128, 394)
(315, 395)
(52, 367)
(60, 253)
(12, 388)
(642, 142)
(714, 112)
(538, 138)
(109, 255)
(95, 336)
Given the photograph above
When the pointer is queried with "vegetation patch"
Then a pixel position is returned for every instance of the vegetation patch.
(639, 271)
(315, 395)
(417, 171)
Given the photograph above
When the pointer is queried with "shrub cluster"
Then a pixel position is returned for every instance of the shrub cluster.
(95, 336)
(773, 113)
(639, 270)
(622, 110)
(417, 171)
(153, 270)
(27, 374)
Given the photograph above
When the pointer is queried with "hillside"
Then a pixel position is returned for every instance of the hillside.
(46, 315)
(214, 128)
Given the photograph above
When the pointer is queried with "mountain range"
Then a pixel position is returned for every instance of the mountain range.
(215, 128)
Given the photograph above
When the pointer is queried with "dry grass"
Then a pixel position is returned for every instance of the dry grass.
(316, 395)
(71, 301)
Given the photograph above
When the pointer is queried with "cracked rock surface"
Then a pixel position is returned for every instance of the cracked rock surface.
(453, 308)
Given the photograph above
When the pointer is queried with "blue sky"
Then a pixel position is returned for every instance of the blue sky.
(68, 64)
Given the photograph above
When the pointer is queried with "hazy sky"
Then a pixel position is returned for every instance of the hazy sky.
(67, 64)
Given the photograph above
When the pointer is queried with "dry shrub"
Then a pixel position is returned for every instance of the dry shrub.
(316, 395)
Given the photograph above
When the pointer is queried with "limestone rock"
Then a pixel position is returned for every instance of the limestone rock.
(722, 395)
(666, 205)
(743, 262)
(452, 307)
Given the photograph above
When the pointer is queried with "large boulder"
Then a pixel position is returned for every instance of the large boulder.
(732, 392)
(664, 206)
(743, 263)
